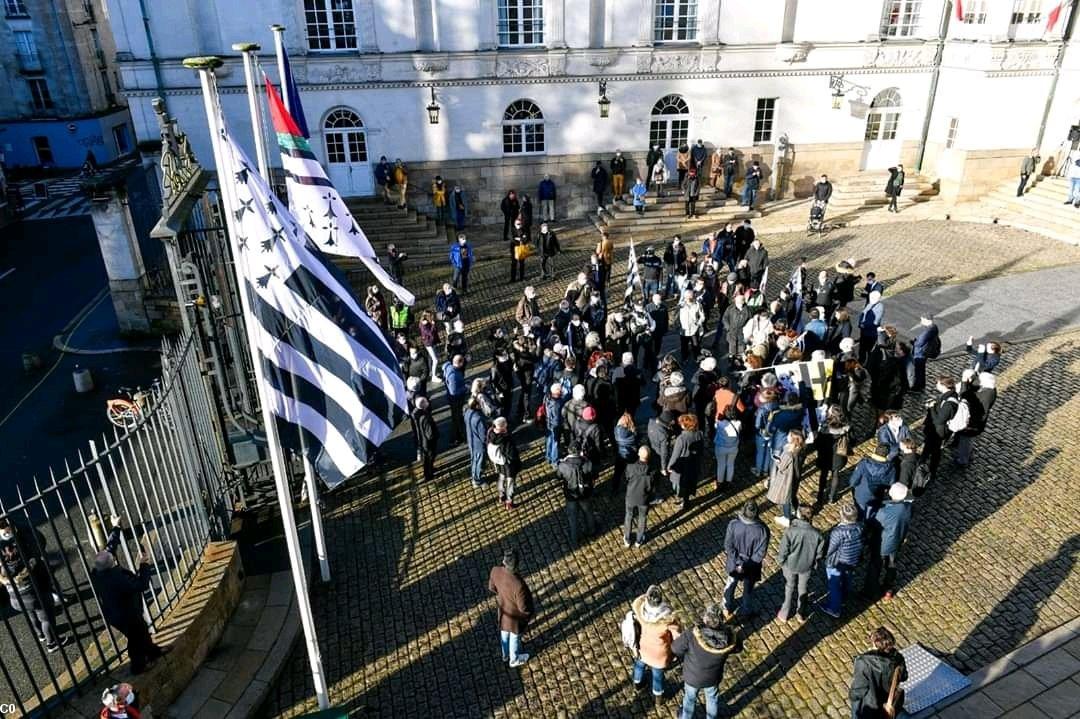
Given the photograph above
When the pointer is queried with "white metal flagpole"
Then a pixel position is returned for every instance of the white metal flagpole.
(205, 67)
(279, 49)
(248, 50)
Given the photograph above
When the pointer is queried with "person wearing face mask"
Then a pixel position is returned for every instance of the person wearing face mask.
(438, 200)
(510, 210)
(545, 193)
(519, 250)
(549, 247)
(575, 341)
(461, 260)
(119, 592)
(118, 702)
(427, 435)
(527, 307)
(618, 175)
(597, 277)
(447, 306)
(699, 156)
(418, 365)
(459, 206)
(730, 164)
(736, 316)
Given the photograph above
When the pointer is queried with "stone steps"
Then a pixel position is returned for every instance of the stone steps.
(1041, 210)
(853, 192)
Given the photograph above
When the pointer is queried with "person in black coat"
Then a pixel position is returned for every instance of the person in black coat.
(576, 472)
(427, 436)
(744, 235)
(510, 211)
(119, 592)
(599, 184)
(745, 544)
(873, 674)
(640, 478)
(936, 427)
(704, 651)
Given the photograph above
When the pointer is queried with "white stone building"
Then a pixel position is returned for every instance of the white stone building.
(517, 82)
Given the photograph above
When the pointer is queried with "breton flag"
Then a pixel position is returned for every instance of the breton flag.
(1055, 15)
(817, 376)
(317, 204)
(328, 370)
(633, 276)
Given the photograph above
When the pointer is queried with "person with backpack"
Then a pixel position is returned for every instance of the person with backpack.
(576, 472)
(927, 346)
(874, 691)
(941, 421)
(978, 393)
(659, 628)
(746, 541)
(640, 478)
(704, 651)
(886, 531)
(514, 604)
(503, 453)
(841, 557)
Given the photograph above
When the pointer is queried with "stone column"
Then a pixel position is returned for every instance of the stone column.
(123, 260)
(365, 26)
(708, 23)
(645, 24)
(555, 24)
(488, 19)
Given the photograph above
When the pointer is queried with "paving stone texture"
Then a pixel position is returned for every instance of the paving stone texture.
(407, 628)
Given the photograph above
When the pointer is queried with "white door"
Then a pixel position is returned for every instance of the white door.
(669, 127)
(346, 154)
(881, 142)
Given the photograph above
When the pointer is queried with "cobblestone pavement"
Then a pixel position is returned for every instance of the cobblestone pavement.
(407, 628)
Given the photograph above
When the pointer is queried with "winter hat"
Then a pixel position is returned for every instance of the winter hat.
(732, 278)
(847, 344)
(421, 402)
(556, 388)
(588, 414)
(898, 492)
(709, 364)
(578, 392)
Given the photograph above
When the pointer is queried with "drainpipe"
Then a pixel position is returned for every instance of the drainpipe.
(154, 59)
(943, 32)
(1065, 37)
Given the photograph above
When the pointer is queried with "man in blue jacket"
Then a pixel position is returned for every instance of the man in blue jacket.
(869, 480)
(457, 391)
(886, 531)
(927, 345)
(546, 194)
(461, 259)
(745, 543)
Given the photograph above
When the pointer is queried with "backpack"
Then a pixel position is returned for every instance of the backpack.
(496, 454)
(962, 418)
(630, 632)
(933, 347)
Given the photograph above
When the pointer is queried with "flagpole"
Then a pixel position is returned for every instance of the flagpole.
(248, 50)
(205, 67)
(279, 50)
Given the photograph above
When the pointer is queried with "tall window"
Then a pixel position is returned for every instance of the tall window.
(345, 138)
(15, 8)
(26, 49)
(763, 119)
(950, 139)
(974, 12)
(331, 24)
(900, 17)
(523, 128)
(675, 21)
(1027, 12)
(39, 94)
(884, 116)
(669, 125)
(521, 23)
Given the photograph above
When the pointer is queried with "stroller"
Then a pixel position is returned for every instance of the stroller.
(817, 217)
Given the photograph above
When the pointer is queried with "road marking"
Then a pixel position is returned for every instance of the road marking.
(6, 273)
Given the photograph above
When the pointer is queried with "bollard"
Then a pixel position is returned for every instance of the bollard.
(84, 382)
(97, 532)
(30, 362)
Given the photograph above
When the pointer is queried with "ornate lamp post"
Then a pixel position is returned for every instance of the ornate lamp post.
(604, 102)
(433, 109)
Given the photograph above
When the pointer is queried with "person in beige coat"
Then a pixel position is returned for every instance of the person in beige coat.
(659, 629)
(784, 480)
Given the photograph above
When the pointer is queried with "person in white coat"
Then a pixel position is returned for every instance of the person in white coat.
(691, 325)
(758, 330)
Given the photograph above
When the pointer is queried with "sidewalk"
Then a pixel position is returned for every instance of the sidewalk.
(1040, 679)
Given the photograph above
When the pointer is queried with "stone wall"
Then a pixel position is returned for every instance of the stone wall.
(968, 175)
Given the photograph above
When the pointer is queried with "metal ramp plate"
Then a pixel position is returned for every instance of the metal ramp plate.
(929, 679)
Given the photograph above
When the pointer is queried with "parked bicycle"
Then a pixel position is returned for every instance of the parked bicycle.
(128, 410)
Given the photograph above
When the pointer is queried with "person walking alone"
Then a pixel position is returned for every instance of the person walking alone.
(427, 434)
(514, 605)
(893, 187)
(549, 248)
(1027, 168)
(599, 184)
(876, 675)
(545, 193)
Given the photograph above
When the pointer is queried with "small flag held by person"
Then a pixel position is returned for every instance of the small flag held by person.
(328, 370)
(633, 276)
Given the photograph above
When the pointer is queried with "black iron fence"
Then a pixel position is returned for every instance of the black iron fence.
(162, 473)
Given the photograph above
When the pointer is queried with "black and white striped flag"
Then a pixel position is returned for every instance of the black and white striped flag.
(633, 276)
(327, 368)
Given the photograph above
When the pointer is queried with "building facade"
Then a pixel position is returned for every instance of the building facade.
(518, 83)
(59, 93)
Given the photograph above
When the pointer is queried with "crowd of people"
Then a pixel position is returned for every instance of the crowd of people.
(580, 370)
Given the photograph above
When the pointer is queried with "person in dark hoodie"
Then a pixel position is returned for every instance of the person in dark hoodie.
(833, 446)
(576, 472)
(869, 480)
(511, 208)
(981, 394)
(801, 548)
(503, 453)
(660, 431)
(684, 464)
(907, 463)
(427, 434)
(873, 675)
(704, 651)
(746, 541)
(939, 411)
(886, 531)
(640, 479)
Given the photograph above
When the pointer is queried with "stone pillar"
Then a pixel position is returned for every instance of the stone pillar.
(708, 23)
(365, 26)
(555, 24)
(123, 260)
(489, 20)
(645, 24)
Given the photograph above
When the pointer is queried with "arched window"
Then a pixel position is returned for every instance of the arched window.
(884, 115)
(523, 128)
(345, 139)
(670, 122)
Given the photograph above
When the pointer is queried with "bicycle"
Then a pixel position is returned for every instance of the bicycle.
(129, 410)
